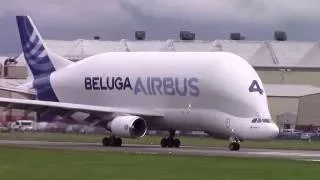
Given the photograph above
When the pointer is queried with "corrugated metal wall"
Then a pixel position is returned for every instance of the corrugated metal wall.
(14, 114)
(15, 72)
(290, 77)
(309, 110)
(280, 105)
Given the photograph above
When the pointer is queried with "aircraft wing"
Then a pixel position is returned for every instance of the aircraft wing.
(58, 107)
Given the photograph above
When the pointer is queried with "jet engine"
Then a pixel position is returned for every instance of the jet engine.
(128, 126)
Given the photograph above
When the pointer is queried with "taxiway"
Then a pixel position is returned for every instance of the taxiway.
(184, 150)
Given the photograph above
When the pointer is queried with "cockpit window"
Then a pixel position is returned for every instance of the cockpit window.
(259, 120)
(266, 120)
(254, 120)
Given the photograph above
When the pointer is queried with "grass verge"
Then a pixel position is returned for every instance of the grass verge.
(38, 164)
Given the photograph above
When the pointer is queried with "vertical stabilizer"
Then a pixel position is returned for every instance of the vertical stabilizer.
(39, 60)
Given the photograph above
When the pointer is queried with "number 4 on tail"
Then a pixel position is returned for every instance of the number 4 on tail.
(255, 87)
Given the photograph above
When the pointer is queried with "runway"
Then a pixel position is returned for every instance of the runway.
(185, 150)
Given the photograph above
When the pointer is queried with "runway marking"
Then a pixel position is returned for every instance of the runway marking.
(288, 154)
(309, 160)
(313, 160)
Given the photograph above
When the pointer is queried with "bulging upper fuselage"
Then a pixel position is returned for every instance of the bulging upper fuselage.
(216, 92)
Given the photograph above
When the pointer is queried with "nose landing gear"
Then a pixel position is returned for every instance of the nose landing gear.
(235, 144)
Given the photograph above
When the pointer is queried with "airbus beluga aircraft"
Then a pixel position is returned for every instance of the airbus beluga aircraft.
(129, 93)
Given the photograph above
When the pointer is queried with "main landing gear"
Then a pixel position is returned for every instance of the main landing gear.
(170, 141)
(112, 141)
(235, 144)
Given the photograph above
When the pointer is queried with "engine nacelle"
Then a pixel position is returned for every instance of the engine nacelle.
(128, 126)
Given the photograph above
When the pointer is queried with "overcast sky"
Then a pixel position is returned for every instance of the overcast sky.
(162, 19)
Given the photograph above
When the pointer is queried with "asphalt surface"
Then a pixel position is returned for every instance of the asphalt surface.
(186, 150)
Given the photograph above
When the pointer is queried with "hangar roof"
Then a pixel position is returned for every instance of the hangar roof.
(290, 90)
(257, 53)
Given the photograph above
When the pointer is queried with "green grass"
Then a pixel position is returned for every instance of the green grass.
(37, 164)
(189, 141)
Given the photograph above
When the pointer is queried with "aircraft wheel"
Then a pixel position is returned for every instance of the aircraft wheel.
(105, 141)
(234, 146)
(170, 142)
(164, 142)
(117, 142)
(112, 141)
(176, 143)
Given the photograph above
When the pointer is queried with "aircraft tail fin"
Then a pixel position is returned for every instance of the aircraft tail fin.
(40, 61)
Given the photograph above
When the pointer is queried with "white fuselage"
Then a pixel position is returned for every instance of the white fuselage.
(207, 91)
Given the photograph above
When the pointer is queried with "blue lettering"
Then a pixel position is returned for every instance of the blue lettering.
(255, 87)
(127, 84)
(168, 86)
(110, 86)
(148, 85)
(119, 83)
(101, 84)
(193, 85)
(154, 85)
(139, 87)
(157, 86)
(95, 82)
(184, 91)
(87, 83)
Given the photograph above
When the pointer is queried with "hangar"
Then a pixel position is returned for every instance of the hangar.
(308, 112)
(6, 86)
(289, 69)
(277, 62)
(286, 103)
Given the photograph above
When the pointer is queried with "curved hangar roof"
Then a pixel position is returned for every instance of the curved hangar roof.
(257, 53)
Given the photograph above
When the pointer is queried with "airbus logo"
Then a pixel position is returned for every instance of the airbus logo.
(146, 86)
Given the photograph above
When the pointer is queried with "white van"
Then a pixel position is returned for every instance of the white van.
(22, 125)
